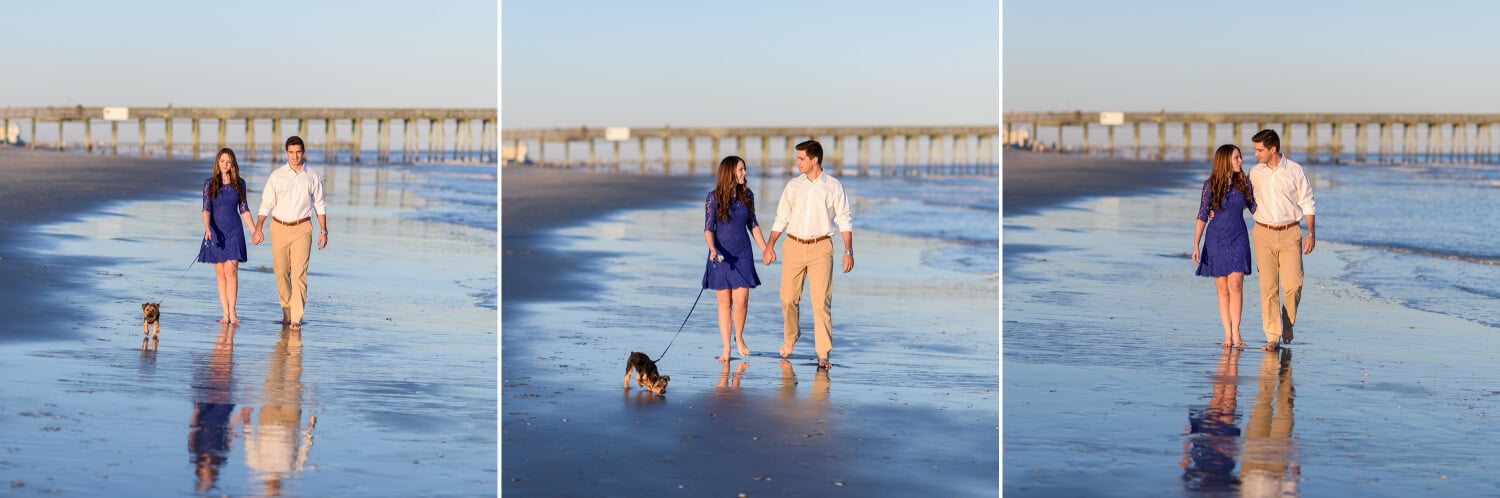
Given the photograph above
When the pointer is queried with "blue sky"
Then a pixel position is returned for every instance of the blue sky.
(764, 63)
(249, 54)
(1264, 56)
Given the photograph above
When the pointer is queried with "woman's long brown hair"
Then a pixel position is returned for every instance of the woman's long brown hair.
(726, 187)
(217, 181)
(1224, 176)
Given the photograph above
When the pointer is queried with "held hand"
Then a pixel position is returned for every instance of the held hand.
(848, 262)
(768, 255)
(1308, 243)
(322, 240)
(256, 238)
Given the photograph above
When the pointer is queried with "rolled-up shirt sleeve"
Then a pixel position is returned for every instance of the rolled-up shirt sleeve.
(783, 209)
(267, 197)
(841, 216)
(317, 195)
(1305, 196)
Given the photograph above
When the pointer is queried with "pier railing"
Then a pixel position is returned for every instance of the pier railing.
(1317, 137)
(466, 144)
(887, 150)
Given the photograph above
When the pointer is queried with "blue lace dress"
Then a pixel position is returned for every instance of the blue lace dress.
(1226, 242)
(224, 221)
(732, 241)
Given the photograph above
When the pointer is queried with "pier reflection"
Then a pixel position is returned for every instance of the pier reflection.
(1264, 450)
(277, 445)
(210, 431)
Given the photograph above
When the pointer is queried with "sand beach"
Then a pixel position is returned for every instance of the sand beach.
(1114, 383)
(388, 390)
(909, 407)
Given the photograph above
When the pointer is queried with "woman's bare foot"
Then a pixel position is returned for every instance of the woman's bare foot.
(223, 319)
(234, 319)
(724, 358)
(1226, 344)
(744, 350)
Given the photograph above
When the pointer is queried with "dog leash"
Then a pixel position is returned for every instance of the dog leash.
(184, 272)
(684, 320)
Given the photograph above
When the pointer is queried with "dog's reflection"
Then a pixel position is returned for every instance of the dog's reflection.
(278, 446)
(211, 431)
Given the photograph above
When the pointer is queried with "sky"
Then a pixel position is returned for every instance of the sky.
(765, 63)
(270, 53)
(1377, 56)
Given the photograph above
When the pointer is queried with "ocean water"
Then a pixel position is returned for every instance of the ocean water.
(1426, 233)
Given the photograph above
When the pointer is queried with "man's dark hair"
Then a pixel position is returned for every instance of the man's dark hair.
(294, 140)
(1267, 138)
(813, 150)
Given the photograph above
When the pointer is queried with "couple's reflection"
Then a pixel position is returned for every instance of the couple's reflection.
(1265, 451)
(275, 444)
(209, 434)
(278, 446)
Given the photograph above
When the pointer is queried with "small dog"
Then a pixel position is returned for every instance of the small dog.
(152, 311)
(645, 374)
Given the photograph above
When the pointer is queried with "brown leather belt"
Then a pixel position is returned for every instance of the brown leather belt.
(1279, 227)
(808, 241)
(294, 223)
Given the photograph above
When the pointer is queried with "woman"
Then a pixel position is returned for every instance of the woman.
(1225, 253)
(728, 228)
(226, 213)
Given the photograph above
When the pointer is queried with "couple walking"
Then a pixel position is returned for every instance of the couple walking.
(292, 196)
(812, 206)
(1278, 195)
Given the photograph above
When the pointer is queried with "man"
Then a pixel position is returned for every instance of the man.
(292, 195)
(811, 205)
(1283, 198)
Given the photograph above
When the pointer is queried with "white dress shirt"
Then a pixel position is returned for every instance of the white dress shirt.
(810, 208)
(1282, 194)
(290, 196)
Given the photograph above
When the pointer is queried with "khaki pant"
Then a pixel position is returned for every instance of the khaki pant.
(1278, 258)
(290, 248)
(799, 262)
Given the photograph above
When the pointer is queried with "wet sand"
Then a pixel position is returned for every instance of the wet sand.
(1115, 384)
(1033, 181)
(909, 408)
(38, 187)
(389, 389)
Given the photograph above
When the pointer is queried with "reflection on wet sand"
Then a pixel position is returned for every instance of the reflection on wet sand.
(210, 430)
(725, 384)
(1266, 451)
(278, 446)
(1213, 431)
(818, 396)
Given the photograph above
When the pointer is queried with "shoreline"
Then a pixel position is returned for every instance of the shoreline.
(43, 187)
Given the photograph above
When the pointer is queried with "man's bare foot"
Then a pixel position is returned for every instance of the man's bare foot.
(295, 326)
(786, 350)
(1270, 346)
(823, 363)
(1286, 335)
